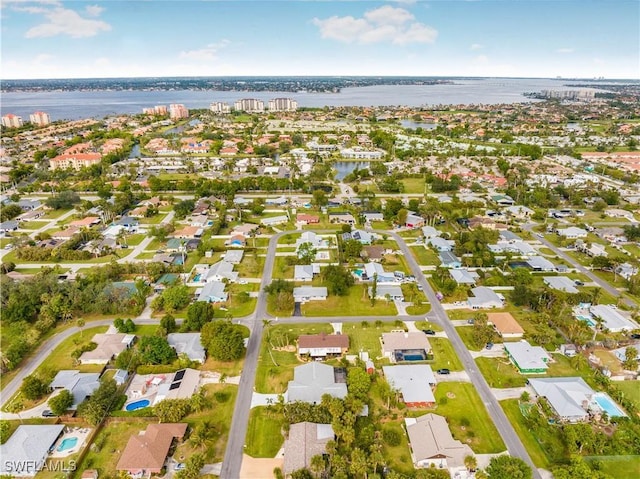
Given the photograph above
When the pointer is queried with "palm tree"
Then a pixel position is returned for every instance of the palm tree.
(470, 462)
(317, 465)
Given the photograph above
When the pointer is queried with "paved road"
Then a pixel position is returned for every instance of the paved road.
(439, 315)
(599, 281)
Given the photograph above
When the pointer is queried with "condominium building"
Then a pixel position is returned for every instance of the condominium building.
(75, 161)
(283, 104)
(177, 110)
(220, 107)
(156, 110)
(250, 105)
(12, 121)
(40, 118)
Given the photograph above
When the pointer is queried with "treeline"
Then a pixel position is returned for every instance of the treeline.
(228, 188)
(31, 308)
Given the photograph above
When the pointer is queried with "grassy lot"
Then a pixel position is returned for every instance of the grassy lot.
(413, 185)
(153, 220)
(234, 304)
(367, 338)
(52, 215)
(34, 225)
(529, 438)
(398, 457)
(418, 309)
(609, 360)
(444, 355)
(264, 436)
(425, 256)
(631, 390)
(500, 373)
(620, 467)
(222, 398)
(468, 418)
(154, 245)
(135, 239)
(282, 270)
(251, 266)
(466, 333)
(112, 440)
(356, 303)
(275, 364)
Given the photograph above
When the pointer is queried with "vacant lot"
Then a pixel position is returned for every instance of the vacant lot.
(356, 303)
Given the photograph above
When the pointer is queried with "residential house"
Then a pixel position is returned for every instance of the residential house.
(414, 221)
(25, 453)
(128, 223)
(561, 283)
(233, 256)
(391, 292)
(572, 232)
(146, 453)
(323, 345)
(612, 318)
(189, 344)
(307, 219)
(305, 272)
(528, 359)
(370, 216)
(8, 226)
(372, 270)
(108, 347)
(274, 220)
(313, 239)
(464, 276)
(220, 271)
(626, 270)
(86, 222)
(405, 346)
(364, 237)
(302, 294)
(569, 397)
(449, 260)
(342, 218)
(188, 232)
(430, 232)
(305, 440)
(538, 263)
(519, 211)
(313, 380)
(503, 200)
(373, 253)
(505, 324)
(80, 385)
(432, 444)
(236, 241)
(621, 353)
(213, 292)
(441, 244)
(415, 382)
(485, 298)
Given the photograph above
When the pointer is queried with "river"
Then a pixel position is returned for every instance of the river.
(73, 105)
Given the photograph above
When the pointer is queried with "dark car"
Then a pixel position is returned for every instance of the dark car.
(578, 283)
(48, 413)
(635, 336)
(443, 371)
(430, 332)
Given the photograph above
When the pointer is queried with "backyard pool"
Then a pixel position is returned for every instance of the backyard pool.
(587, 319)
(67, 443)
(358, 273)
(132, 406)
(196, 278)
(608, 405)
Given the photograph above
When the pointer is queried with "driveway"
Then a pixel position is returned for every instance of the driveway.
(453, 377)
(259, 399)
(509, 393)
(297, 311)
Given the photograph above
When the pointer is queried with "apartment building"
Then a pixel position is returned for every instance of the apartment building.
(40, 118)
(12, 121)
(75, 161)
(250, 105)
(220, 107)
(283, 104)
(178, 110)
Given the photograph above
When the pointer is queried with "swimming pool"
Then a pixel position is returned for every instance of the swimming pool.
(358, 272)
(587, 319)
(608, 405)
(67, 443)
(196, 278)
(132, 406)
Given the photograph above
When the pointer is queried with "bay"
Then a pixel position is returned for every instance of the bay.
(72, 105)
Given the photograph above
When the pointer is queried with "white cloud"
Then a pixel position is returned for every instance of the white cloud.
(476, 46)
(209, 52)
(94, 10)
(383, 24)
(404, 2)
(564, 50)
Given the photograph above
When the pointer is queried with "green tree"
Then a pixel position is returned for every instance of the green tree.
(156, 350)
(168, 323)
(183, 208)
(192, 468)
(630, 362)
(101, 402)
(352, 249)
(306, 253)
(338, 279)
(198, 314)
(319, 198)
(33, 387)
(508, 467)
(358, 382)
(223, 340)
(171, 410)
(60, 403)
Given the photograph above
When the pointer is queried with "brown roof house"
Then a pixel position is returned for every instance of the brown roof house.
(108, 347)
(405, 346)
(306, 439)
(432, 444)
(505, 324)
(147, 452)
(322, 345)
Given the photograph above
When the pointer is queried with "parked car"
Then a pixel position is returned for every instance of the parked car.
(443, 371)
(635, 336)
(430, 332)
(48, 413)
(578, 283)
(420, 288)
(179, 466)
(489, 345)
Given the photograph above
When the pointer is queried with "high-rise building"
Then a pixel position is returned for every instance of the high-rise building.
(250, 105)
(12, 121)
(40, 118)
(156, 110)
(283, 104)
(178, 110)
(220, 107)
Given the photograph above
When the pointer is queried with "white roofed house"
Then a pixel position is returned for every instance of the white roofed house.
(189, 344)
(414, 381)
(108, 347)
(485, 298)
(302, 294)
(441, 244)
(233, 256)
(312, 238)
(373, 269)
(274, 220)
(527, 358)
(80, 385)
(430, 232)
(612, 318)
(313, 380)
(568, 397)
(305, 272)
(572, 232)
(538, 263)
(519, 211)
(393, 292)
(464, 276)
(220, 271)
(213, 292)
(561, 283)
(432, 444)
(26, 451)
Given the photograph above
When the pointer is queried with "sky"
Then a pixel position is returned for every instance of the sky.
(499, 38)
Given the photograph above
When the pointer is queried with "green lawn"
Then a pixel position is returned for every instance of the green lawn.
(425, 256)
(251, 266)
(398, 457)
(414, 185)
(367, 338)
(468, 418)
(529, 438)
(135, 239)
(444, 355)
(235, 306)
(466, 333)
(264, 436)
(52, 215)
(34, 225)
(631, 390)
(500, 373)
(618, 467)
(356, 303)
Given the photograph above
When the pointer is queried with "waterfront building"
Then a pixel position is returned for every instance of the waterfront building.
(40, 118)
(220, 107)
(12, 121)
(178, 110)
(250, 105)
(283, 104)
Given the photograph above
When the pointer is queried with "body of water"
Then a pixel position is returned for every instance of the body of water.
(73, 105)
(343, 168)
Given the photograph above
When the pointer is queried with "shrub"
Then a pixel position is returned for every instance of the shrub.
(391, 437)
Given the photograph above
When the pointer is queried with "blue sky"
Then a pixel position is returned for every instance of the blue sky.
(521, 38)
